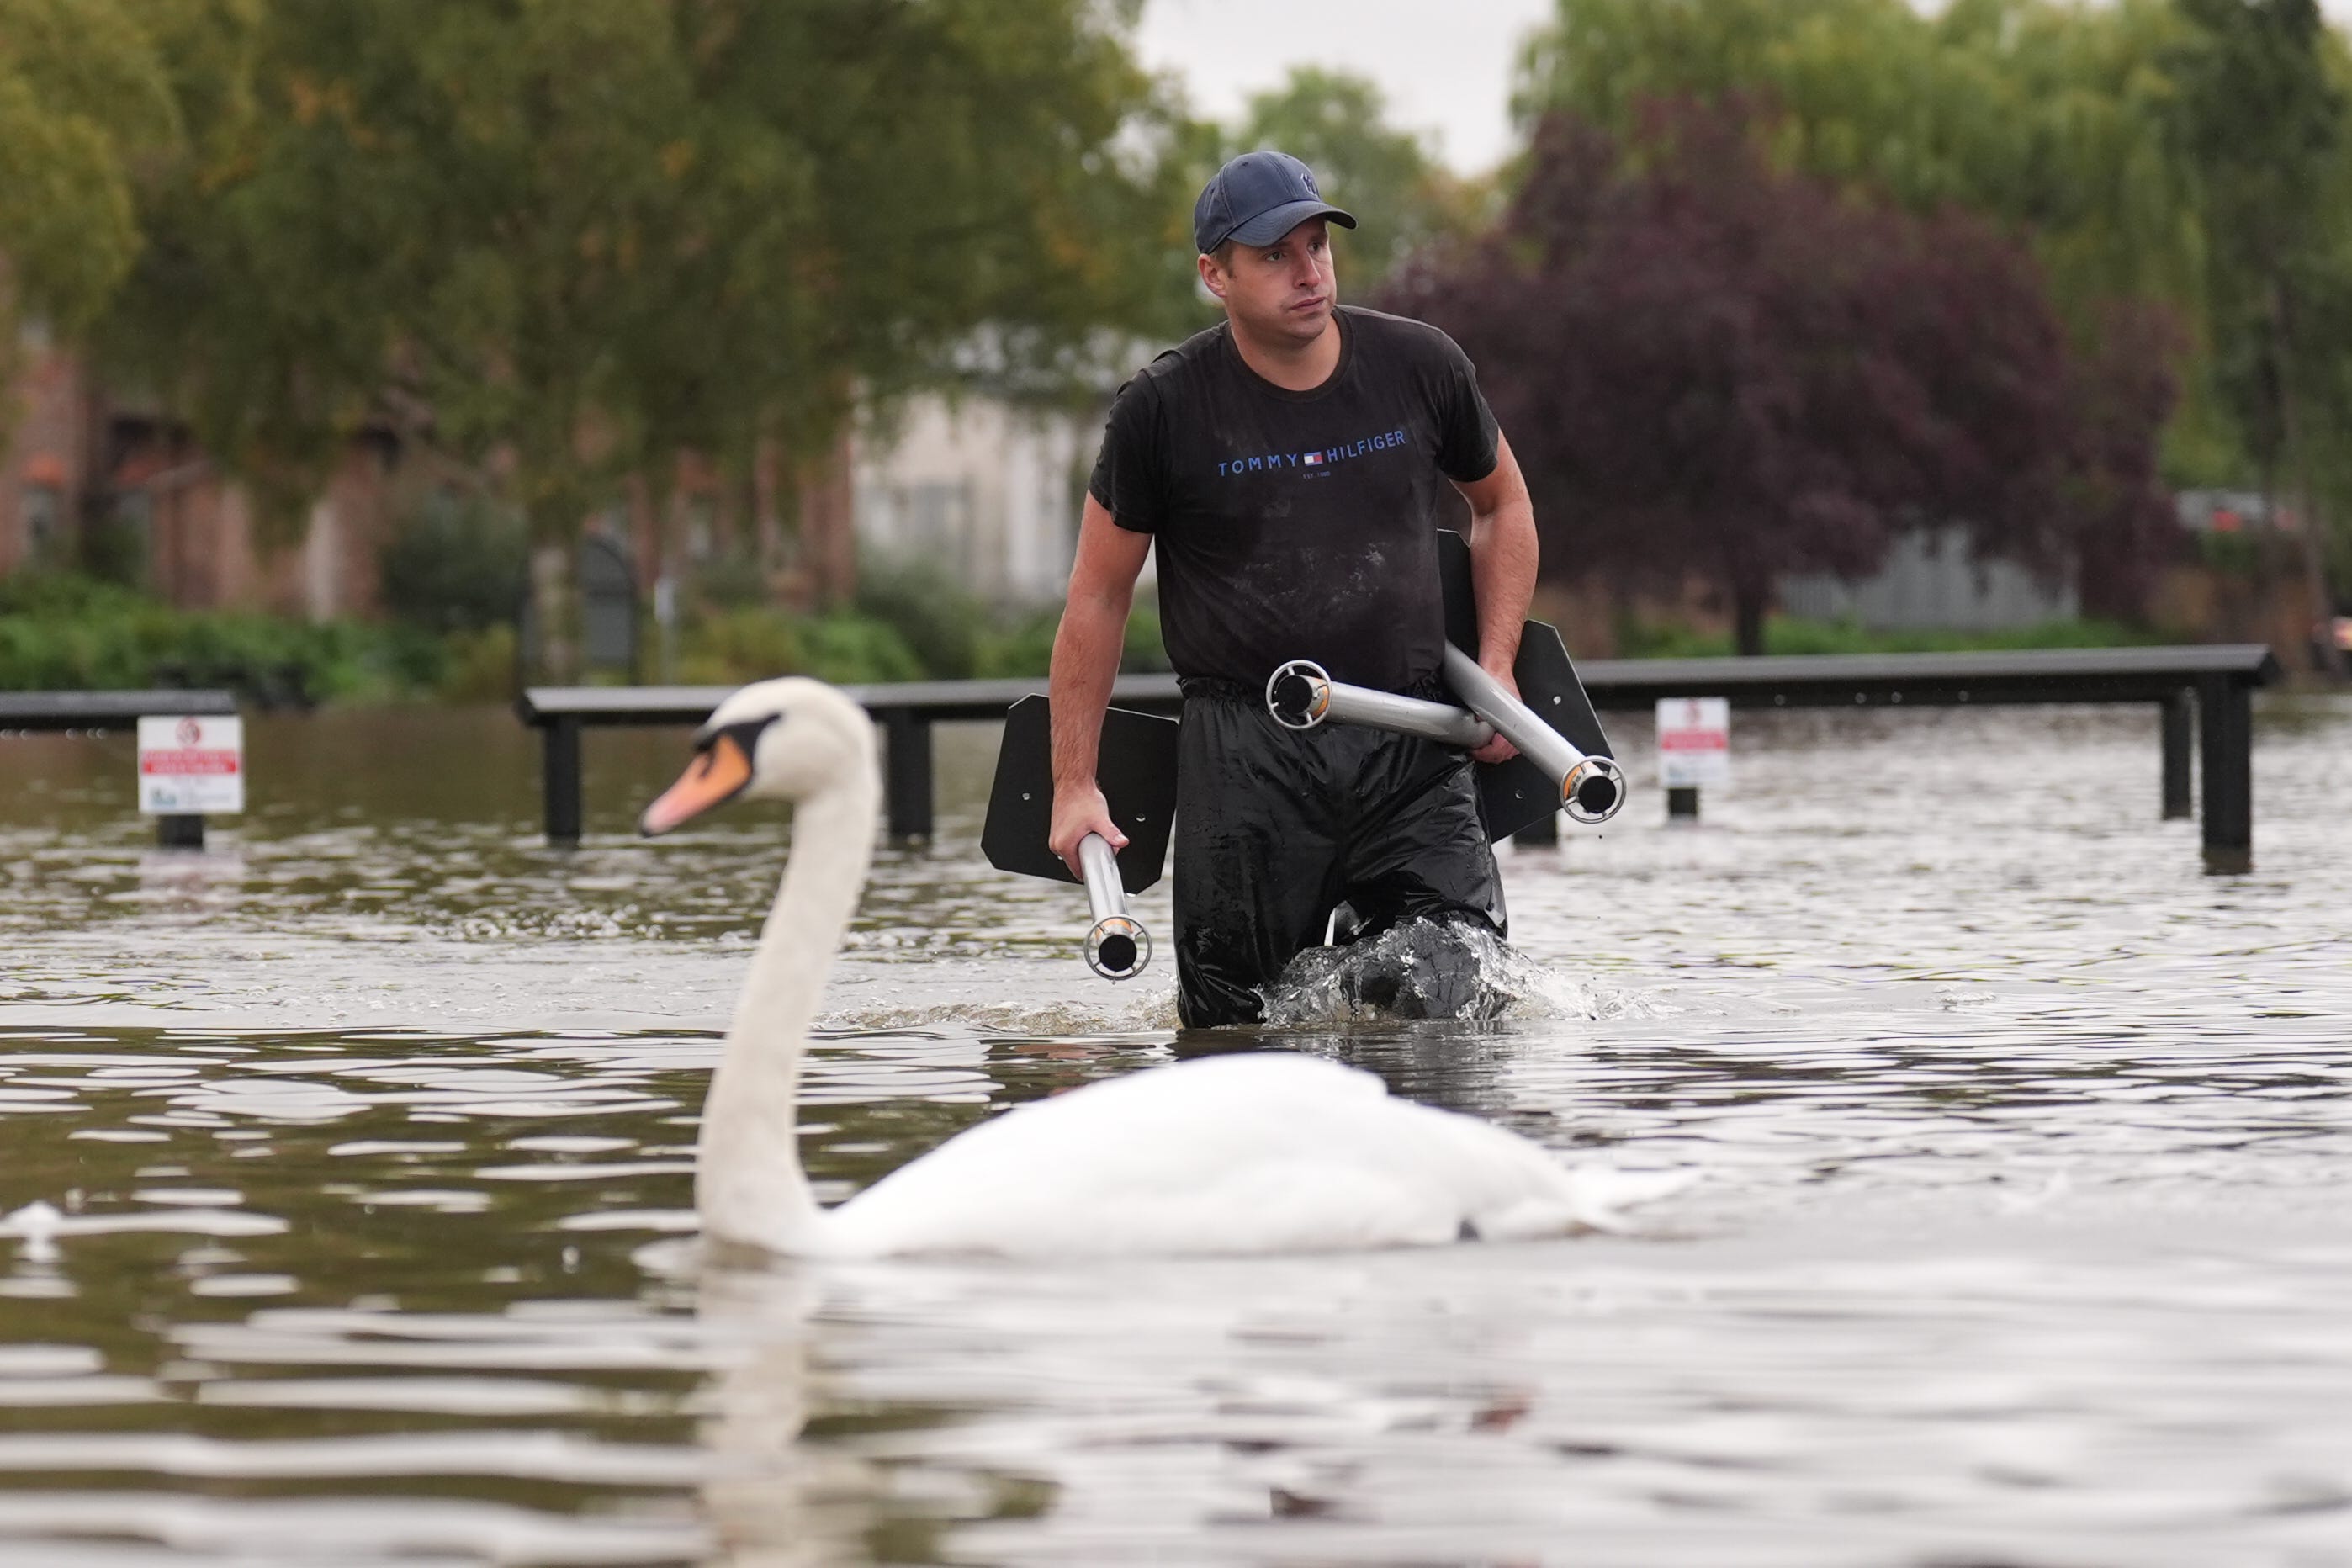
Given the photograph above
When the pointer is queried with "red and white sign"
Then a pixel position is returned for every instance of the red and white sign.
(191, 766)
(1693, 741)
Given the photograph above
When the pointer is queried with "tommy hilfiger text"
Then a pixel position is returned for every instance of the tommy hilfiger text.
(1323, 456)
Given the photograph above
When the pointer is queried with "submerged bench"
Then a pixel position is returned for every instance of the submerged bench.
(2209, 687)
(54, 711)
(905, 711)
(98, 711)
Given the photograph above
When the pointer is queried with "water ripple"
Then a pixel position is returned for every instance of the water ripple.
(349, 1205)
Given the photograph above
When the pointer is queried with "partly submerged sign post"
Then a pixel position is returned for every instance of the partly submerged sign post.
(1694, 749)
(189, 767)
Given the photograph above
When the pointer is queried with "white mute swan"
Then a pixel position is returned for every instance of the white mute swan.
(1253, 1153)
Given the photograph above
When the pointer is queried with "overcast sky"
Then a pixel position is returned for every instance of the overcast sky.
(1445, 65)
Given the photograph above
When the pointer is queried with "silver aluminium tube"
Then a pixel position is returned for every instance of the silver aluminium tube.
(1117, 947)
(1300, 696)
(1590, 788)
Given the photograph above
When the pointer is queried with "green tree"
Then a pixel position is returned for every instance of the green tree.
(2263, 121)
(84, 96)
(1400, 194)
(565, 238)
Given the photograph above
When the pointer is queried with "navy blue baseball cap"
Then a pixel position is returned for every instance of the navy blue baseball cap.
(1257, 198)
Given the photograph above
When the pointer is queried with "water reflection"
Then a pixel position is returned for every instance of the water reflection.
(365, 1142)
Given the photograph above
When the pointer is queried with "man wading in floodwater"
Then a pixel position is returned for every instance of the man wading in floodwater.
(1288, 463)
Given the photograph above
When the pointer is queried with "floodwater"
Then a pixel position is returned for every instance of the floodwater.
(2020, 1236)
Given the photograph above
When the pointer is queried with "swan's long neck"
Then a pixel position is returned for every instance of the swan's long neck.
(749, 1186)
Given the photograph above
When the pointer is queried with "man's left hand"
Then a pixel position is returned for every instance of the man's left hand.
(1498, 750)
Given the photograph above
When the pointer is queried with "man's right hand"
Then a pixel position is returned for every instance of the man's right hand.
(1076, 813)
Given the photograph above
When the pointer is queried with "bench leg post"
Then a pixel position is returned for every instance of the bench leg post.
(2225, 735)
(180, 832)
(907, 781)
(560, 780)
(2179, 713)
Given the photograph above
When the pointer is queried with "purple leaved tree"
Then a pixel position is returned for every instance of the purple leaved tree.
(1711, 367)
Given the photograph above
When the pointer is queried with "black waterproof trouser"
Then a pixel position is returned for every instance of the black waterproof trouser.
(1276, 827)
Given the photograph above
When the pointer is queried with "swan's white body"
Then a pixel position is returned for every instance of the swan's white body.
(1244, 1154)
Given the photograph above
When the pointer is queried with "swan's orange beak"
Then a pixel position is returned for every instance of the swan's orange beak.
(716, 775)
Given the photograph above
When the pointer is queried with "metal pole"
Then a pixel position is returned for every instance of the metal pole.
(1117, 947)
(2179, 713)
(2225, 735)
(906, 783)
(1682, 800)
(560, 781)
(1591, 788)
(1300, 696)
(180, 832)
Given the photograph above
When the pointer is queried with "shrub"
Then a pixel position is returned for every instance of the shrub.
(935, 617)
(727, 646)
(855, 649)
(477, 666)
(1791, 634)
(455, 564)
(731, 580)
(65, 633)
(1023, 647)
(1026, 647)
(1145, 651)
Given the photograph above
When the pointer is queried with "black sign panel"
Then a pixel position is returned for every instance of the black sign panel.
(1137, 770)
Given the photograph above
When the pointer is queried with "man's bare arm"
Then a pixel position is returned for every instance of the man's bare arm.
(1503, 556)
(1085, 662)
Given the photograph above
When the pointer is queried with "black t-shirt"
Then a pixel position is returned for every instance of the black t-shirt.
(1299, 524)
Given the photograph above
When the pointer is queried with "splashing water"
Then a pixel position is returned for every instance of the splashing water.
(1432, 969)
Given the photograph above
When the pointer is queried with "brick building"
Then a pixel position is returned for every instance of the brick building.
(46, 434)
(90, 478)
